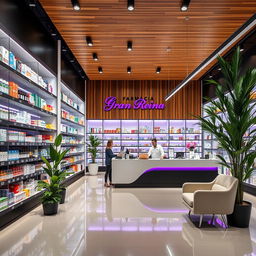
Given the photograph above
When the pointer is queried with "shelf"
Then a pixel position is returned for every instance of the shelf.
(71, 145)
(16, 205)
(24, 126)
(17, 102)
(74, 154)
(72, 134)
(20, 178)
(69, 164)
(22, 161)
(31, 144)
(26, 79)
(68, 122)
(70, 108)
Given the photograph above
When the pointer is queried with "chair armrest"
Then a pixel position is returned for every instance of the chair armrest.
(190, 187)
(213, 202)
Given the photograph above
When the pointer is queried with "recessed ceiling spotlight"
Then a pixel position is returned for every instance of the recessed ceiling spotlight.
(95, 56)
(64, 49)
(89, 41)
(129, 46)
(129, 70)
(53, 34)
(219, 69)
(210, 76)
(184, 5)
(76, 5)
(32, 3)
(100, 70)
(241, 48)
(168, 49)
(72, 60)
(158, 70)
(130, 5)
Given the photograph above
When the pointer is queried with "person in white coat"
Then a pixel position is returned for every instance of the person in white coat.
(156, 151)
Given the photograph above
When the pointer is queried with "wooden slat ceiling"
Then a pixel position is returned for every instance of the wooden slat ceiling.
(153, 26)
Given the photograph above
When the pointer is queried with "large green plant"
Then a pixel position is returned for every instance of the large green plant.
(238, 117)
(56, 174)
(93, 144)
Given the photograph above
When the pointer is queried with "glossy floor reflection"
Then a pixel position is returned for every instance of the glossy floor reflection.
(98, 221)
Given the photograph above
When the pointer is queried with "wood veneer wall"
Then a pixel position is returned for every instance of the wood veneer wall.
(185, 104)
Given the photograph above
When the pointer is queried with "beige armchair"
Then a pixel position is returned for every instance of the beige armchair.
(216, 197)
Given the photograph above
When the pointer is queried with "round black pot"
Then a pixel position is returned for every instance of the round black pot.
(63, 196)
(50, 208)
(241, 216)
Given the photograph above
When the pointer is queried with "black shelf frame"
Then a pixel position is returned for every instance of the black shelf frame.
(21, 177)
(24, 144)
(22, 161)
(26, 104)
(72, 134)
(8, 123)
(68, 122)
(26, 79)
(71, 108)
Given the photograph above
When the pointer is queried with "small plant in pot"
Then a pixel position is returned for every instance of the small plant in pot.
(232, 119)
(93, 145)
(54, 190)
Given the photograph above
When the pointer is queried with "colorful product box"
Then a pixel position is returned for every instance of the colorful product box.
(4, 55)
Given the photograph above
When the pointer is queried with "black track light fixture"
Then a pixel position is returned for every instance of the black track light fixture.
(32, 3)
(129, 70)
(241, 47)
(158, 70)
(95, 56)
(129, 46)
(100, 70)
(89, 41)
(76, 5)
(184, 5)
(130, 5)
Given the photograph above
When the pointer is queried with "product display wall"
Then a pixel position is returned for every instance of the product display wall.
(136, 136)
(29, 124)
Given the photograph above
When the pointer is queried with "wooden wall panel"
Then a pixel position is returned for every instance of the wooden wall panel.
(185, 104)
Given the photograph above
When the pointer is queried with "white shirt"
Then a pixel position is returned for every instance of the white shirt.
(156, 152)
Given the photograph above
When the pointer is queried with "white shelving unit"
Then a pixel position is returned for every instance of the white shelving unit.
(136, 135)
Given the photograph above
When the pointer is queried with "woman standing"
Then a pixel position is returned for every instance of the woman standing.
(109, 155)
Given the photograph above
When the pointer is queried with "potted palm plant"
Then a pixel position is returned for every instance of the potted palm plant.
(231, 119)
(93, 144)
(54, 190)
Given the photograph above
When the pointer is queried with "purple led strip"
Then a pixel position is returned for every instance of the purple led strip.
(155, 169)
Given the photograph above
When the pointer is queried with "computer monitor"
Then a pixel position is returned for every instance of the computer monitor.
(180, 154)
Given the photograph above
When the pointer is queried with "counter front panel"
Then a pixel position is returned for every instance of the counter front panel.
(162, 173)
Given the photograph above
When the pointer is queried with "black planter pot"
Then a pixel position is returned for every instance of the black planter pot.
(63, 196)
(241, 216)
(50, 208)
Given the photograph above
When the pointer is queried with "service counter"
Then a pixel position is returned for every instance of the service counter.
(162, 173)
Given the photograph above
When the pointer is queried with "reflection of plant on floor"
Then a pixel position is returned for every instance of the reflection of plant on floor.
(56, 174)
(238, 117)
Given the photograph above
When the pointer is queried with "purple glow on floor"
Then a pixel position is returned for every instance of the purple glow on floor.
(155, 169)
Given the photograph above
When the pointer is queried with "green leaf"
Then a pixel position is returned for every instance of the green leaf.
(58, 140)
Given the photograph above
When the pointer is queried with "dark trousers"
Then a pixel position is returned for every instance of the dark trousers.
(108, 174)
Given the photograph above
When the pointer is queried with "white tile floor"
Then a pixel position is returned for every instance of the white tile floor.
(123, 222)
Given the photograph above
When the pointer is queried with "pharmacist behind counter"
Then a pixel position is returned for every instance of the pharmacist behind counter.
(156, 151)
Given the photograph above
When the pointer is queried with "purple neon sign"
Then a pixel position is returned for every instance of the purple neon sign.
(111, 103)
